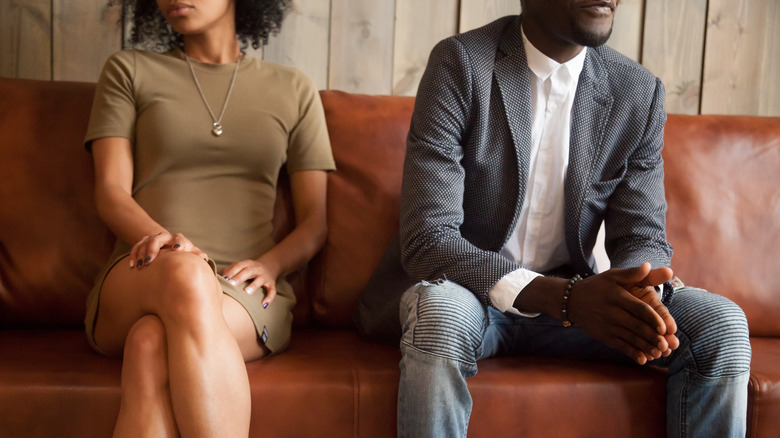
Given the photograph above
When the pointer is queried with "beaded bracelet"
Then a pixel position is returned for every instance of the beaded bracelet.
(566, 293)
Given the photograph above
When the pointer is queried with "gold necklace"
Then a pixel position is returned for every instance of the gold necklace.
(216, 127)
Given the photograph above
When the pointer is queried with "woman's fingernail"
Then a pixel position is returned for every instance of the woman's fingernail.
(233, 282)
(226, 277)
(147, 260)
(177, 246)
(132, 265)
(265, 305)
(249, 290)
(139, 263)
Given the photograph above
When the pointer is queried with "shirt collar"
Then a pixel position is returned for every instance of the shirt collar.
(543, 66)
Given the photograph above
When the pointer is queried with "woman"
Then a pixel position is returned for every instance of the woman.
(187, 147)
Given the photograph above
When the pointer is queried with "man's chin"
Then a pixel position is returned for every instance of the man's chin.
(590, 38)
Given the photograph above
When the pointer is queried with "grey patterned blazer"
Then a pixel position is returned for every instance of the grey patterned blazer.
(467, 160)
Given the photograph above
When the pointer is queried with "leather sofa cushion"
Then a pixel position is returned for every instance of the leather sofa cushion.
(332, 383)
(329, 383)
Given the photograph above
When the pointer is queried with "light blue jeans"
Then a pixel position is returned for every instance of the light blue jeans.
(446, 331)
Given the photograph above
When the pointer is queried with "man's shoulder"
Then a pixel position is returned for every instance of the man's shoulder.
(621, 69)
(482, 41)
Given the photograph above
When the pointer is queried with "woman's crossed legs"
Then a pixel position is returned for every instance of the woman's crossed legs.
(184, 345)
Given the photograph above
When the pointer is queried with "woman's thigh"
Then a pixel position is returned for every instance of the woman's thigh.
(129, 294)
(243, 329)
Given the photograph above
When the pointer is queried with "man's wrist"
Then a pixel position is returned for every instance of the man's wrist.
(542, 295)
(565, 305)
(667, 289)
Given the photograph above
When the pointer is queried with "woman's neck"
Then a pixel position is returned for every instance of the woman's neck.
(212, 50)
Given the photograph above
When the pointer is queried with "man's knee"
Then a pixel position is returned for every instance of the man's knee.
(444, 319)
(718, 332)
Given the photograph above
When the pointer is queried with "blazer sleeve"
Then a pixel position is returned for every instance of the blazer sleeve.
(432, 193)
(635, 222)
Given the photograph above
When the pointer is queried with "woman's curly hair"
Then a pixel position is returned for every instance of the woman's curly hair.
(256, 20)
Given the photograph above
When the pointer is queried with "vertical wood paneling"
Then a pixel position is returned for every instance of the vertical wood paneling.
(769, 96)
(741, 41)
(25, 39)
(673, 50)
(627, 28)
(361, 49)
(418, 27)
(85, 34)
(382, 46)
(303, 40)
(476, 13)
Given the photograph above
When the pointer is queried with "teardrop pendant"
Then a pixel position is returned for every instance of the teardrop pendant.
(217, 129)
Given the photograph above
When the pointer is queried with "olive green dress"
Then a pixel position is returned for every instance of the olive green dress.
(217, 191)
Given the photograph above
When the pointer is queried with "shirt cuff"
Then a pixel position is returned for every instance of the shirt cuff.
(504, 293)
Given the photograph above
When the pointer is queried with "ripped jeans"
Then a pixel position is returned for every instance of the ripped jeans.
(446, 331)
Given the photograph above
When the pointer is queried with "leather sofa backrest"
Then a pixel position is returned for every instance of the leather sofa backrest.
(721, 174)
(368, 136)
(722, 178)
(51, 241)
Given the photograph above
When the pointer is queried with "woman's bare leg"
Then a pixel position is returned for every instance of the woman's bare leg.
(209, 387)
(146, 409)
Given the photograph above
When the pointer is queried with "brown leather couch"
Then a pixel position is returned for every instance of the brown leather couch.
(724, 221)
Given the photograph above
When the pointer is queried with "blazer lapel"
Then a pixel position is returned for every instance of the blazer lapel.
(511, 73)
(592, 106)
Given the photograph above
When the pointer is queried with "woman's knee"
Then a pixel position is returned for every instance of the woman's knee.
(443, 318)
(188, 289)
(146, 338)
(145, 354)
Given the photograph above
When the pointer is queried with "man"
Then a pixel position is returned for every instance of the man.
(526, 135)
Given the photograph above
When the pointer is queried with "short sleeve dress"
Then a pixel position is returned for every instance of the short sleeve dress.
(217, 191)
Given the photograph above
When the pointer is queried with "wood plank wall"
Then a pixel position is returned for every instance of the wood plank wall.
(714, 56)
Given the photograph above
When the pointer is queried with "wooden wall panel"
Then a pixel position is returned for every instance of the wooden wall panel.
(361, 49)
(85, 34)
(25, 39)
(627, 28)
(741, 42)
(382, 46)
(769, 93)
(674, 49)
(303, 41)
(476, 13)
(418, 27)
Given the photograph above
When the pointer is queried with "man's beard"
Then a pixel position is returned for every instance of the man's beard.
(589, 38)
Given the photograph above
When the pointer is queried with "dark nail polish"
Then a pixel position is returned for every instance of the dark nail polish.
(147, 260)
(177, 246)
(226, 277)
(139, 262)
(265, 305)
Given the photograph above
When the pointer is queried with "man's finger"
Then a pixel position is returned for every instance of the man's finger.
(657, 277)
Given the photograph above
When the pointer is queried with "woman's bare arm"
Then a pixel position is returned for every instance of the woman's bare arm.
(113, 159)
(309, 192)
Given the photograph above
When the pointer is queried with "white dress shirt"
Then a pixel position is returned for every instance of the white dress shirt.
(538, 241)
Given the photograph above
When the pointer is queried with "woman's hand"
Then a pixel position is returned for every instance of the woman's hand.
(146, 250)
(260, 274)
